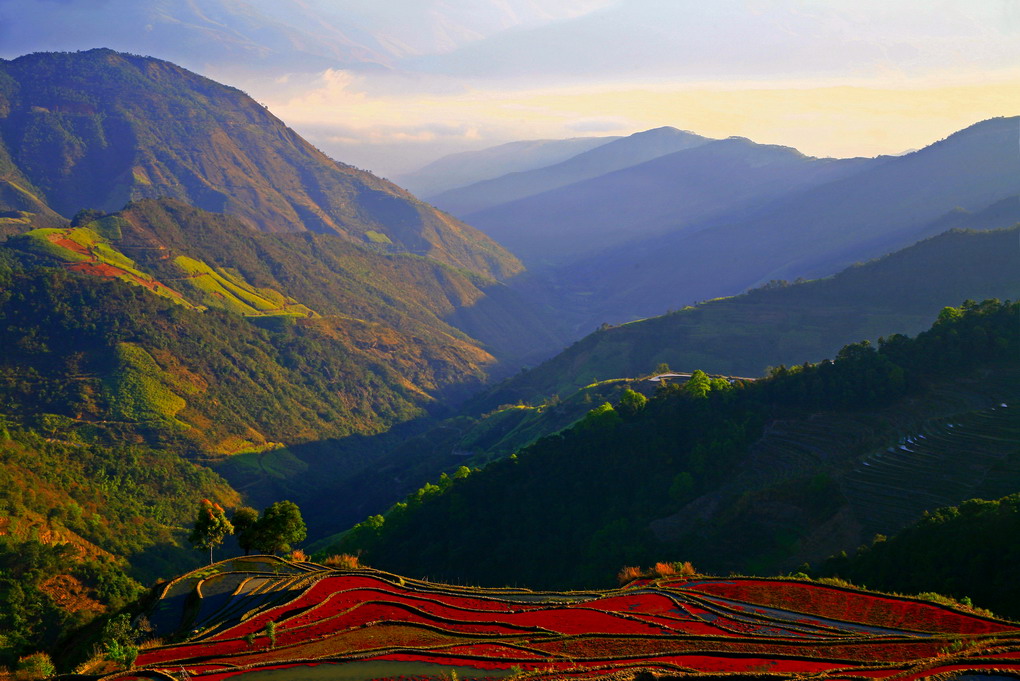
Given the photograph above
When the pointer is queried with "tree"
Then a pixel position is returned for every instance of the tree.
(279, 526)
(632, 402)
(211, 527)
(698, 385)
(244, 520)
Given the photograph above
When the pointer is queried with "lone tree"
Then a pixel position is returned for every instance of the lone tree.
(245, 520)
(211, 527)
(279, 526)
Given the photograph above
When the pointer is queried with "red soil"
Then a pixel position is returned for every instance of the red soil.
(850, 606)
(684, 628)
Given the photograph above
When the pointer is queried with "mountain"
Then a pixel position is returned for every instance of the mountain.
(470, 167)
(784, 323)
(621, 153)
(97, 129)
(673, 193)
(749, 477)
(816, 232)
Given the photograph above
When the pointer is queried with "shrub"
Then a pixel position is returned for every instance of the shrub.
(628, 574)
(684, 569)
(271, 633)
(664, 570)
(298, 556)
(344, 561)
(659, 570)
(35, 667)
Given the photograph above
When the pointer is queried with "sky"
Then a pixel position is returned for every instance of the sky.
(389, 86)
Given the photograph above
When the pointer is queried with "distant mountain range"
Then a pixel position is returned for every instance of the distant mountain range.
(789, 323)
(605, 158)
(673, 193)
(473, 167)
(809, 233)
(617, 239)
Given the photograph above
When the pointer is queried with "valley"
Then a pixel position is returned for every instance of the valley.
(439, 415)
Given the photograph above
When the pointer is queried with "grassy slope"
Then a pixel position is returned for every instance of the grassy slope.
(745, 334)
(415, 296)
(96, 129)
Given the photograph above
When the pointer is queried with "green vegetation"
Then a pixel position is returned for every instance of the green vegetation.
(48, 591)
(573, 507)
(230, 291)
(969, 552)
(274, 531)
(211, 527)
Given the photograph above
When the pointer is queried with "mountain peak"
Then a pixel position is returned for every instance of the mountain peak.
(147, 128)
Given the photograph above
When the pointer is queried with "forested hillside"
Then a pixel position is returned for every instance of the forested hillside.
(969, 551)
(751, 477)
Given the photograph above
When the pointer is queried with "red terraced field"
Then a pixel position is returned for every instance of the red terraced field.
(386, 627)
(847, 605)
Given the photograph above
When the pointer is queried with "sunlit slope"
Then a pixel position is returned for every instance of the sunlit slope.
(96, 129)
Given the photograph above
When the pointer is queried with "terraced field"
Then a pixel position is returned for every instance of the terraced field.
(365, 624)
(948, 460)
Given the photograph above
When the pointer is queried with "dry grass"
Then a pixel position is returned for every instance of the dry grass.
(659, 571)
(628, 574)
(298, 556)
(344, 561)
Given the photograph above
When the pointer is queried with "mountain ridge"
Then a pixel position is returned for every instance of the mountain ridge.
(614, 155)
(96, 129)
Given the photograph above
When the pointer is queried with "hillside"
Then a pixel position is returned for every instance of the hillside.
(141, 346)
(261, 615)
(966, 551)
(812, 233)
(786, 323)
(671, 193)
(615, 155)
(97, 129)
(186, 332)
(750, 477)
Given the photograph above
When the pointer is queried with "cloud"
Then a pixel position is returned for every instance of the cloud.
(614, 124)
(424, 133)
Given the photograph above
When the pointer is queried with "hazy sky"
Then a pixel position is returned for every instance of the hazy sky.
(831, 77)
(391, 84)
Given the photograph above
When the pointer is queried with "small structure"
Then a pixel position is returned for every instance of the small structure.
(663, 378)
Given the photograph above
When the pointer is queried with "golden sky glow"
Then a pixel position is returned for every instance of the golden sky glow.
(838, 120)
